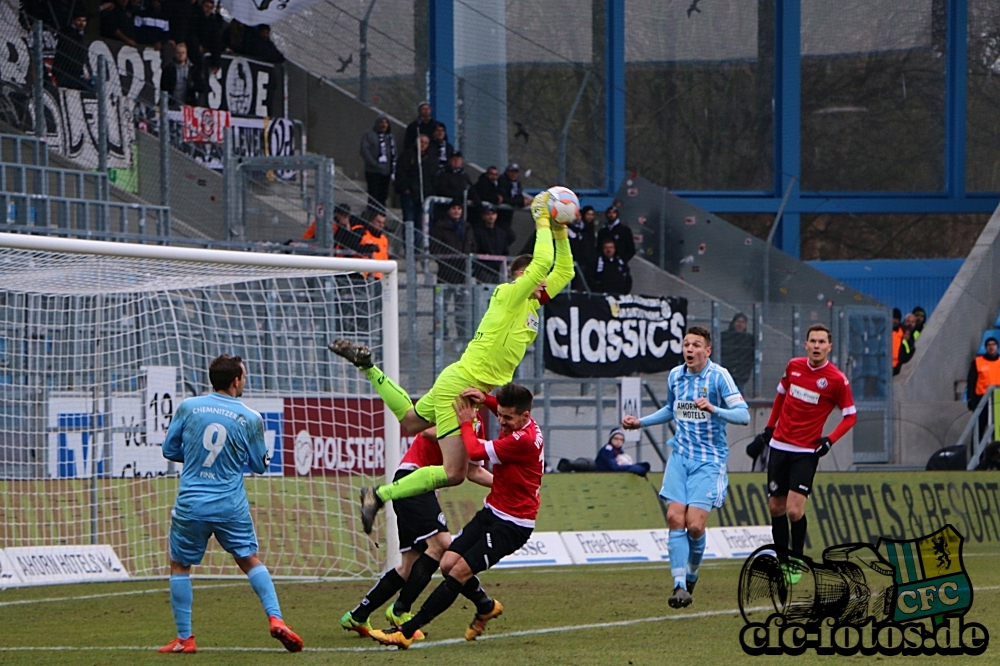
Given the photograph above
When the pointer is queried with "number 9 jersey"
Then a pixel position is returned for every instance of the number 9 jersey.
(213, 435)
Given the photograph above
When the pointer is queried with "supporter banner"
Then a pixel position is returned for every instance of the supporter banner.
(46, 565)
(254, 12)
(863, 506)
(611, 546)
(543, 548)
(73, 436)
(611, 336)
(204, 125)
(132, 454)
(252, 137)
(332, 436)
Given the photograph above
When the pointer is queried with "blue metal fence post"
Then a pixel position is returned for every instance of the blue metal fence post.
(787, 124)
(956, 86)
(442, 61)
(615, 93)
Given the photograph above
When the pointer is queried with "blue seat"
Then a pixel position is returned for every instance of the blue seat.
(991, 333)
(996, 324)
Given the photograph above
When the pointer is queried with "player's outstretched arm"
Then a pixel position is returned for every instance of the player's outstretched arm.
(664, 415)
(541, 255)
(562, 272)
(257, 457)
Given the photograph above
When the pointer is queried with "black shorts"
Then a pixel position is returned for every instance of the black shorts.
(487, 539)
(418, 518)
(790, 471)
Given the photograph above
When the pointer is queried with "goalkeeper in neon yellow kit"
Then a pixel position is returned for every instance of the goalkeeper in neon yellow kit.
(508, 327)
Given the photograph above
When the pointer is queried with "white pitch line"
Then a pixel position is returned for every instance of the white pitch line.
(381, 648)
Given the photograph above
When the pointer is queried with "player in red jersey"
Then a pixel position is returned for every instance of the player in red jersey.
(506, 521)
(807, 393)
(423, 539)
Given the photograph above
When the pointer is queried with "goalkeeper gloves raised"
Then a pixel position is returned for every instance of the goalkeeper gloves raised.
(540, 210)
(822, 445)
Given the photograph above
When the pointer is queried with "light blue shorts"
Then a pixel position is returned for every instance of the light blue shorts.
(694, 483)
(189, 538)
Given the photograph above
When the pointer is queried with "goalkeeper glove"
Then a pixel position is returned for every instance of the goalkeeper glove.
(823, 445)
(540, 210)
(560, 232)
(759, 443)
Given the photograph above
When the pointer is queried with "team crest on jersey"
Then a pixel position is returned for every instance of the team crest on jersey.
(704, 390)
(822, 383)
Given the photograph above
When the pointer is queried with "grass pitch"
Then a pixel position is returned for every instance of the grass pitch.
(563, 615)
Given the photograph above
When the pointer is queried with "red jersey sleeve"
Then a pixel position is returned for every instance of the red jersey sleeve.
(779, 400)
(845, 400)
(473, 445)
(491, 403)
(521, 446)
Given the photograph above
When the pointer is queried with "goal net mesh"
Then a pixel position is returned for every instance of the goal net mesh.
(96, 353)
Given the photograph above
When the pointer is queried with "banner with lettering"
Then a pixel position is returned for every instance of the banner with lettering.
(596, 335)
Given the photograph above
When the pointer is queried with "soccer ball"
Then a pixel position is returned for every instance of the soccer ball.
(563, 204)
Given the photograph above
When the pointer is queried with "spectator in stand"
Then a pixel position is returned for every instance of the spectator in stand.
(737, 350)
(491, 239)
(423, 125)
(205, 36)
(378, 150)
(182, 79)
(55, 14)
(257, 44)
(619, 232)
(342, 235)
(441, 147)
(71, 54)
(453, 235)
(983, 373)
(152, 27)
(921, 317)
(488, 188)
(611, 274)
(611, 457)
(902, 339)
(583, 243)
(413, 172)
(182, 14)
(372, 241)
(454, 183)
(118, 21)
(513, 195)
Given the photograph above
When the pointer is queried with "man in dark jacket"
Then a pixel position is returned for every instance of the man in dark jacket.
(488, 187)
(204, 35)
(491, 239)
(512, 192)
(611, 457)
(424, 124)
(71, 54)
(118, 21)
(181, 79)
(453, 235)
(257, 44)
(413, 171)
(441, 147)
(737, 350)
(611, 274)
(378, 150)
(583, 243)
(454, 183)
(152, 26)
(619, 232)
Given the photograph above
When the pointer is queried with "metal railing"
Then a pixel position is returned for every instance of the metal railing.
(976, 439)
(83, 217)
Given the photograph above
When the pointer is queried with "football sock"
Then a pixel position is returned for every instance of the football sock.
(474, 592)
(420, 575)
(392, 393)
(387, 585)
(439, 601)
(181, 598)
(417, 482)
(677, 546)
(695, 555)
(799, 535)
(260, 581)
(779, 531)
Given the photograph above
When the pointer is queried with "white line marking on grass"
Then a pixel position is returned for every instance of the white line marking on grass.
(421, 645)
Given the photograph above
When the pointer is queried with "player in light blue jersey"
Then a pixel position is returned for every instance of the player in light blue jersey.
(213, 435)
(701, 399)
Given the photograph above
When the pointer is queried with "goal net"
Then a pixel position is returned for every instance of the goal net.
(100, 342)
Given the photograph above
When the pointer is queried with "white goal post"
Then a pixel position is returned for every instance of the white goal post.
(100, 341)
